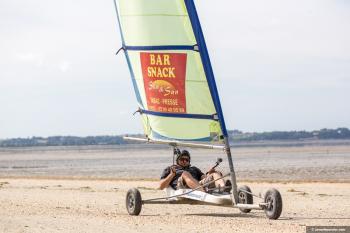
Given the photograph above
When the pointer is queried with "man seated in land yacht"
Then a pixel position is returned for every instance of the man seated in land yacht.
(183, 175)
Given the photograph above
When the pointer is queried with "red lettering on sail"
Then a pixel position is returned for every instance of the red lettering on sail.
(164, 76)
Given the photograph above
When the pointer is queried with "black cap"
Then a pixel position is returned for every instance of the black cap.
(183, 153)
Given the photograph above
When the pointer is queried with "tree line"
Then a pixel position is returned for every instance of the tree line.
(339, 133)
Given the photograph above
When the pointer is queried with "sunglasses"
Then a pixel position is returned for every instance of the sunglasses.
(184, 159)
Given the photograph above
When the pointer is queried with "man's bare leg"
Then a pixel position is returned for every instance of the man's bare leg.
(219, 183)
(190, 181)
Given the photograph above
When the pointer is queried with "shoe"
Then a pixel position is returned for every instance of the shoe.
(228, 186)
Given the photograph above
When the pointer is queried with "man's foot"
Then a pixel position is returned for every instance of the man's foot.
(228, 186)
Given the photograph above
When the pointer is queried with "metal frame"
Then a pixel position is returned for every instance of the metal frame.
(232, 175)
(259, 206)
(175, 143)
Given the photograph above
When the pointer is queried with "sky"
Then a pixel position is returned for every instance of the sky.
(279, 65)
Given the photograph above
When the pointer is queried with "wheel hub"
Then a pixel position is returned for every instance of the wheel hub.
(242, 197)
(131, 202)
(269, 202)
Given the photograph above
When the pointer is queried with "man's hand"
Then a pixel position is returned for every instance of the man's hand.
(211, 170)
(173, 170)
(166, 181)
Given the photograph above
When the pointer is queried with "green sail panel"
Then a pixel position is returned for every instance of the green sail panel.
(167, 72)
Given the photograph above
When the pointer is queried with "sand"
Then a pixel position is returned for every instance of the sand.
(83, 205)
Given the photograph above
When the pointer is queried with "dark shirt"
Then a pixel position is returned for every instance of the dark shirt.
(194, 171)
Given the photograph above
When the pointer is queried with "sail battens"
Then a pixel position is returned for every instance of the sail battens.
(152, 15)
(162, 47)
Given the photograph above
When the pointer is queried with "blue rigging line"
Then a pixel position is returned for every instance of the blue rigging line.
(179, 115)
(198, 33)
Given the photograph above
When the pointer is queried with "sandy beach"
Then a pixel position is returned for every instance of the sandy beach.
(83, 189)
(83, 205)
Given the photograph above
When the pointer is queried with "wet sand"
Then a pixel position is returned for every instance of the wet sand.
(62, 205)
(306, 163)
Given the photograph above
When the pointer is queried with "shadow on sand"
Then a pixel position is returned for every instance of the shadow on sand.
(252, 215)
(234, 215)
(314, 218)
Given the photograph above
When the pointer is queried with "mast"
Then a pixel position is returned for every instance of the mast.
(212, 86)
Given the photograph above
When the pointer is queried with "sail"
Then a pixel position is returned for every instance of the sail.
(170, 70)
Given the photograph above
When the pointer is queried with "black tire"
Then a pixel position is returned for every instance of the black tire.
(133, 201)
(244, 197)
(274, 200)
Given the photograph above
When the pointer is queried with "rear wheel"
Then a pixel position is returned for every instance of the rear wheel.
(273, 199)
(133, 201)
(244, 197)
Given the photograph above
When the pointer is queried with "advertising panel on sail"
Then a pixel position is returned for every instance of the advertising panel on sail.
(164, 77)
(170, 70)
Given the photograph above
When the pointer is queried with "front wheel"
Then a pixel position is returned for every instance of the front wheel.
(273, 199)
(245, 197)
(133, 201)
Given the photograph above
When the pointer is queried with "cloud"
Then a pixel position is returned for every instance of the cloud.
(37, 59)
(65, 66)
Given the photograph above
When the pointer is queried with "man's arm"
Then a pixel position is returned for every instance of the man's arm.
(204, 175)
(210, 171)
(165, 182)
